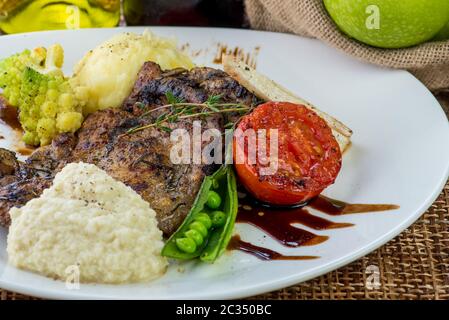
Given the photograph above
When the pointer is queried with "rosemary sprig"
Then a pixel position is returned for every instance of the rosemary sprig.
(177, 110)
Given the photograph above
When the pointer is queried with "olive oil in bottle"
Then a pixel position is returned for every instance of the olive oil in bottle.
(26, 15)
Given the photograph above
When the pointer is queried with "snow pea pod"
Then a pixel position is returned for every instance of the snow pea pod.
(219, 239)
(197, 236)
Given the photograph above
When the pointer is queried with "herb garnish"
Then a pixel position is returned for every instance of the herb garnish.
(177, 109)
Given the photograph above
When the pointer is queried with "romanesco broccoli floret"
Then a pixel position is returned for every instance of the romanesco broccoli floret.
(33, 82)
(11, 70)
(11, 74)
(48, 106)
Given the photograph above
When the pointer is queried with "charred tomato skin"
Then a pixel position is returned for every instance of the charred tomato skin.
(309, 156)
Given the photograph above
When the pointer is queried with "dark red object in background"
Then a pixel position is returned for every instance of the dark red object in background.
(218, 13)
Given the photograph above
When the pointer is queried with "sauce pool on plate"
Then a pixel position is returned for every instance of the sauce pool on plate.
(279, 222)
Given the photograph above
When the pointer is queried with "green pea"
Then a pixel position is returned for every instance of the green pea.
(186, 245)
(195, 236)
(198, 226)
(213, 200)
(204, 219)
(218, 218)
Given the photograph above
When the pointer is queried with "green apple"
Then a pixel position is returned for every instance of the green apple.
(389, 23)
(443, 34)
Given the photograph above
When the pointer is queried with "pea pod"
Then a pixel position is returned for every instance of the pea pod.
(210, 240)
(219, 239)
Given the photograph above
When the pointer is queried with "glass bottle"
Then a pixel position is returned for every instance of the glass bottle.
(26, 15)
(215, 13)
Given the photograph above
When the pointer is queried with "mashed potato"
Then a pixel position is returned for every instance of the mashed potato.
(90, 220)
(110, 70)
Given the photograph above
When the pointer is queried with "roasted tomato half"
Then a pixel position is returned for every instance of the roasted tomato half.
(309, 157)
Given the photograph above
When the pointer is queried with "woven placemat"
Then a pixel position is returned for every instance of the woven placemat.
(414, 265)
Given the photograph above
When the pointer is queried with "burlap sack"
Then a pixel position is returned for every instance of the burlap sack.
(429, 62)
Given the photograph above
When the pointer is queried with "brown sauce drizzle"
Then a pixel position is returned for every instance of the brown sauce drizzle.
(25, 151)
(9, 115)
(262, 253)
(279, 222)
(250, 58)
(336, 207)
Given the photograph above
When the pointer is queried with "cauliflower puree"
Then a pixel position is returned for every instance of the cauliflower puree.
(90, 220)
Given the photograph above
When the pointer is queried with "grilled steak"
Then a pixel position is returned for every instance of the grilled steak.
(141, 159)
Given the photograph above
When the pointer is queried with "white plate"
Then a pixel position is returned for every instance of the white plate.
(400, 155)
